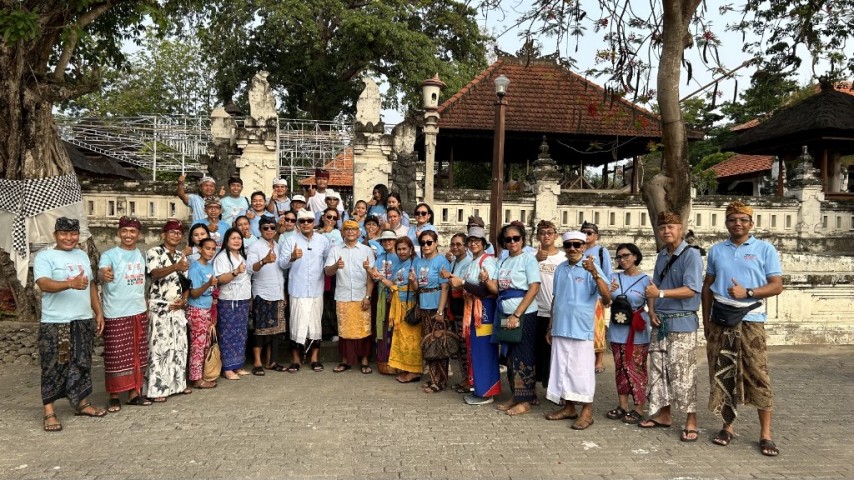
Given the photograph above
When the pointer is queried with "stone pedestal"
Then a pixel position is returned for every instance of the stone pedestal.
(546, 188)
(371, 146)
(259, 166)
(805, 187)
(259, 162)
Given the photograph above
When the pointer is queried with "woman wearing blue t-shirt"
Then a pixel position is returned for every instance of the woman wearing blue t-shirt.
(379, 202)
(628, 345)
(432, 299)
(384, 267)
(423, 223)
(518, 277)
(200, 310)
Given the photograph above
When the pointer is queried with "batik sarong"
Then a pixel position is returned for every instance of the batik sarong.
(672, 372)
(233, 324)
(65, 353)
(405, 351)
(269, 316)
(382, 328)
(305, 320)
(125, 352)
(478, 323)
(738, 369)
(438, 369)
(454, 313)
(354, 331)
(521, 361)
(167, 352)
(600, 328)
(199, 322)
(630, 373)
(572, 375)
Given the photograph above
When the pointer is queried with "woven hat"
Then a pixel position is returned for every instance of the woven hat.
(387, 235)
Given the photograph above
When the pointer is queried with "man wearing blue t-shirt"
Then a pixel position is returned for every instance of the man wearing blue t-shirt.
(234, 204)
(742, 272)
(207, 188)
(67, 331)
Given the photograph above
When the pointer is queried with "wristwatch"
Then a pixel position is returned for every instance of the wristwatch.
(661, 294)
(749, 293)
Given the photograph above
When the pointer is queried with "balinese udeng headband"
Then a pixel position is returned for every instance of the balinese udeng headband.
(475, 220)
(65, 224)
(130, 222)
(173, 224)
(212, 201)
(589, 226)
(321, 173)
(665, 218)
(207, 179)
(738, 207)
(350, 224)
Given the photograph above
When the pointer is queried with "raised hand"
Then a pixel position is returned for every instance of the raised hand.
(412, 277)
(444, 273)
(484, 275)
(456, 282)
(736, 290)
(449, 256)
(614, 285)
(296, 254)
(107, 273)
(589, 264)
(375, 274)
(240, 268)
(250, 214)
(542, 255)
(651, 290)
(366, 265)
(80, 281)
(182, 178)
(271, 257)
(340, 263)
(182, 265)
(221, 191)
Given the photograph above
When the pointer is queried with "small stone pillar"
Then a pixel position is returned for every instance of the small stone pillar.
(259, 163)
(547, 187)
(371, 146)
(431, 88)
(806, 187)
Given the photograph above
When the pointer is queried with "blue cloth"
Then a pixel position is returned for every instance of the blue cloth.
(574, 305)
(233, 207)
(379, 211)
(400, 277)
(750, 264)
(460, 267)
(334, 237)
(60, 265)
(386, 263)
(197, 207)
(517, 272)
(376, 246)
(686, 271)
(637, 298)
(507, 295)
(472, 272)
(427, 273)
(255, 223)
(199, 275)
(125, 295)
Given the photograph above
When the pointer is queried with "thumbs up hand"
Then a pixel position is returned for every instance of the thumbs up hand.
(445, 273)
(80, 281)
(589, 264)
(214, 281)
(614, 285)
(107, 274)
(412, 275)
(366, 265)
(652, 290)
(736, 290)
(182, 265)
(296, 254)
(221, 191)
(542, 255)
(340, 263)
(271, 257)
(484, 275)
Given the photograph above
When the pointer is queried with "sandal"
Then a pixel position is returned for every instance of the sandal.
(432, 388)
(203, 384)
(159, 399)
(723, 438)
(653, 423)
(768, 448)
(463, 388)
(687, 433)
(342, 367)
(504, 406)
(616, 413)
(632, 417)
(582, 423)
(280, 368)
(366, 369)
(520, 408)
(562, 414)
(94, 412)
(139, 401)
(293, 368)
(51, 427)
(414, 379)
(114, 406)
(187, 391)
(317, 366)
(258, 371)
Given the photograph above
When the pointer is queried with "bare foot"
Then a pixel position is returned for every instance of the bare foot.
(519, 409)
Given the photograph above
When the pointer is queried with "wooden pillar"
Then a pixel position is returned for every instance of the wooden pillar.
(451, 168)
(824, 181)
(605, 175)
(781, 177)
(635, 179)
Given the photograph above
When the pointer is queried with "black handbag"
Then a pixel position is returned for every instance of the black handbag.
(413, 315)
(729, 315)
(440, 345)
(621, 309)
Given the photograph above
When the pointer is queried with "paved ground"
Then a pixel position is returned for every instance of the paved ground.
(366, 426)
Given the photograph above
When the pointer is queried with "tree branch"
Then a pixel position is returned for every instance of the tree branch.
(74, 36)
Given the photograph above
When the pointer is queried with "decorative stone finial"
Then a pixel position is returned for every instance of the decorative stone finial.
(804, 174)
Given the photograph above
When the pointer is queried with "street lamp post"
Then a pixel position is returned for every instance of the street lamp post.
(496, 199)
(430, 90)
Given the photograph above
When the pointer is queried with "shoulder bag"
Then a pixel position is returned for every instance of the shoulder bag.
(213, 361)
(622, 312)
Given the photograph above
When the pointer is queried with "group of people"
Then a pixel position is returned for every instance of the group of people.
(293, 271)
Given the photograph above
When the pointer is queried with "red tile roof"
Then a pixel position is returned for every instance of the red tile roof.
(340, 171)
(545, 97)
(740, 164)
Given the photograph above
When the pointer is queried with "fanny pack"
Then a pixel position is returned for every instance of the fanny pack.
(728, 315)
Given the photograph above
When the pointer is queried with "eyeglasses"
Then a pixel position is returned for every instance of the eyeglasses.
(351, 229)
(623, 256)
(546, 232)
(457, 244)
(421, 213)
(588, 232)
(426, 243)
(513, 239)
(331, 217)
(306, 220)
(575, 245)
(743, 220)
(289, 220)
(268, 227)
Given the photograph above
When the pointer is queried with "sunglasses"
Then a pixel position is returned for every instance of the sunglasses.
(513, 239)
(289, 220)
(426, 243)
(268, 227)
(330, 217)
(575, 245)
(588, 232)
(422, 214)
(623, 257)
(306, 220)
(547, 232)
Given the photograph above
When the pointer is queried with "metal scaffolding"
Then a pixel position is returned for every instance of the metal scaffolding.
(175, 143)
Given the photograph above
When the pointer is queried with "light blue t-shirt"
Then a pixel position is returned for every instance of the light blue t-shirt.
(506, 253)
(60, 265)
(400, 277)
(197, 207)
(750, 264)
(602, 257)
(517, 272)
(414, 231)
(334, 237)
(427, 273)
(199, 275)
(634, 288)
(685, 271)
(281, 206)
(125, 295)
(386, 263)
(471, 274)
(575, 295)
(221, 228)
(459, 267)
(233, 207)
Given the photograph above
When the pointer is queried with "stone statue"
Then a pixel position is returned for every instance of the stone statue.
(369, 104)
(262, 104)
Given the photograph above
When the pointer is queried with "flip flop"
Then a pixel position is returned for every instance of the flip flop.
(411, 380)
(139, 401)
(768, 448)
(96, 413)
(581, 424)
(723, 438)
(616, 414)
(159, 400)
(655, 424)
(114, 405)
(293, 368)
(53, 427)
(258, 371)
(342, 367)
(684, 437)
(366, 369)
(317, 366)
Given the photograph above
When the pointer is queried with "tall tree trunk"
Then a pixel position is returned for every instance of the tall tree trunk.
(670, 190)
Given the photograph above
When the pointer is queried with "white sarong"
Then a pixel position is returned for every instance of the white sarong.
(306, 314)
(573, 371)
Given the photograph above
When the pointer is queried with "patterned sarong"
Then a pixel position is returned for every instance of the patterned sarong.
(269, 316)
(199, 322)
(600, 328)
(382, 328)
(353, 322)
(65, 351)
(167, 352)
(233, 324)
(521, 362)
(630, 373)
(125, 352)
(672, 372)
(405, 351)
(478, 318)
(438, 369)
(738, 369)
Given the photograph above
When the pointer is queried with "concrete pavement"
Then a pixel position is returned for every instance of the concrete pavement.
(349, 425)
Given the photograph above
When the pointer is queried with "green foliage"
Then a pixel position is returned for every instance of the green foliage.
(768, 91)
(316, 51)
(471, 175)
(18, 24)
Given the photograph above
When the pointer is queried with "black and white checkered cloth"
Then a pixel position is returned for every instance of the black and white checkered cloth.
(28, 198)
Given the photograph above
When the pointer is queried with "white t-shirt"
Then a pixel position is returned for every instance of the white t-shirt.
(241, 287)
(547, 275)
